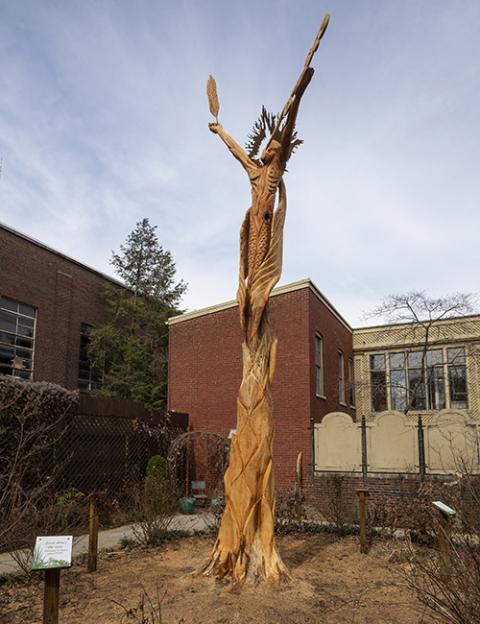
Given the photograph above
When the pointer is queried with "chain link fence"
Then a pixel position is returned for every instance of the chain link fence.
(108, 442)
(57, 448)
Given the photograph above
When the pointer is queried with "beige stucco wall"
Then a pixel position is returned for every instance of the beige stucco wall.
(452, 444)
(452, 436)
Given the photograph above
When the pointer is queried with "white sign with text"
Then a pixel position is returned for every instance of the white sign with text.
(52, 551)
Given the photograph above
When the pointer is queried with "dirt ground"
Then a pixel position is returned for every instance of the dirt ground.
(332, 584)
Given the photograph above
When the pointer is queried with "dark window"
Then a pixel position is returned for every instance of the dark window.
(89, 378)
(319, 385)
(17, 333)
(341, 377)
(351, 383)
(378, 382)
(457, 377)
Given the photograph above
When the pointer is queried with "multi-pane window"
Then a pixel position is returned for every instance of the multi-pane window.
(319, 383)
(457, 377)
(378, 381)
(17, 334)
(89, 378)
(417, 379)
(351, 384)
(341, 377)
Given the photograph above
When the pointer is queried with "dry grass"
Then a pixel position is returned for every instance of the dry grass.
(333, 584)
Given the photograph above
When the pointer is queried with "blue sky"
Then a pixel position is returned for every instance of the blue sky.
(103, 120)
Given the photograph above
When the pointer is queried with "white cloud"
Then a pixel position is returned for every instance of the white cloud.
(103, 120)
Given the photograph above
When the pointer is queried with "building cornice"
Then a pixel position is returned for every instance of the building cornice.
(452, 319)
(281, 290)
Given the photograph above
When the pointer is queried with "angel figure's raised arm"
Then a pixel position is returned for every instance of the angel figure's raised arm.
(292, 113)
(239, 153)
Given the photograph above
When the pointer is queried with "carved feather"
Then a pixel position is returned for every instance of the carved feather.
(267, 123)
(213, 102)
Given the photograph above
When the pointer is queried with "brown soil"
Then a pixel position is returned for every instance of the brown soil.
(332, 584)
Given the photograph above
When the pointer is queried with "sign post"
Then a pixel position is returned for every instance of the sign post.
(445, 514)
(362, 495)
(51, 596)
(93, 535)
(52, 553)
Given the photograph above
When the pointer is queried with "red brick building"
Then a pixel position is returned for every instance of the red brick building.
(313, 375)
(48, 303)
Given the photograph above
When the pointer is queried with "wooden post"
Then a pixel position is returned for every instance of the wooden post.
(421, 450)
(51, 596)
(364, 452)
(362, 495)
(445, 515)
(93, 534)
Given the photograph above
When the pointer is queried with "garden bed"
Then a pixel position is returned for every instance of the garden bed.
(332, 584)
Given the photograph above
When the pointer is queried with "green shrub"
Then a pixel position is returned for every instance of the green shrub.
(157, 467)
(72, 496)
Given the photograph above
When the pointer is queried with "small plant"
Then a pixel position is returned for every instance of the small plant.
(127, 542)
(156, 467)
(146, 611)
(7, 578)
(72, 496)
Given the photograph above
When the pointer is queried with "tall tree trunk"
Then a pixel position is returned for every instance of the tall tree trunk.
(245, 546)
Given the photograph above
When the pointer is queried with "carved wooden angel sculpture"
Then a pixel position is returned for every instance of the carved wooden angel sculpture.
(245, 546)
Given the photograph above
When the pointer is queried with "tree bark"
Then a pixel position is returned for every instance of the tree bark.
(245, 547)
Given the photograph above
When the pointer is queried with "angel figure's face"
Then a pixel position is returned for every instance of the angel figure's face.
(270, 152)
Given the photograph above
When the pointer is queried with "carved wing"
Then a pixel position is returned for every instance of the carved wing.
(269, 272)
(243, 271)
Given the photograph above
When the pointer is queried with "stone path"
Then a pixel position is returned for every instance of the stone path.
(110, 538)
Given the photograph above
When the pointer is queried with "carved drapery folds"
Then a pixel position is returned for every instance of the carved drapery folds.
(245, 547)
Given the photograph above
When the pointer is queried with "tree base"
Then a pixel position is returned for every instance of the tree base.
(252, 568)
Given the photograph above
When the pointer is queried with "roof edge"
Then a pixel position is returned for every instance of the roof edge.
(444, 321)
(38, 243)
(280, 290)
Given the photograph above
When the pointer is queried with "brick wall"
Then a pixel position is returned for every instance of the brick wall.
(383, 489)
(205, 373)
(65, 294)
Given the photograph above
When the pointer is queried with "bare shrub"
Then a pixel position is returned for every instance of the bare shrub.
(451, 591)
(291, 514)
(407, 512)
(33, 420)
(335, 510)
(454, 596)
(148, 610)
(156, 505)
(53, 516)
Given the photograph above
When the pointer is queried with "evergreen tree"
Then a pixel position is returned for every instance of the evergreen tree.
(131, 348)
